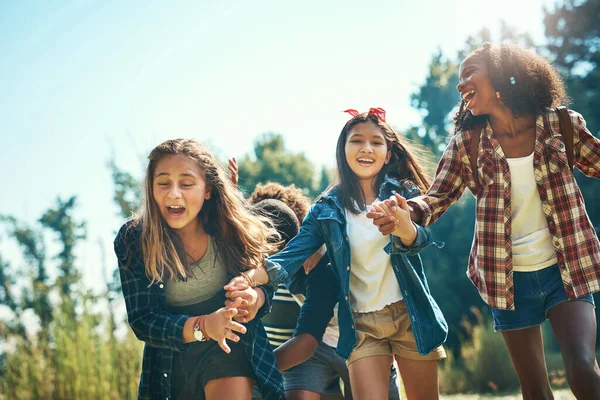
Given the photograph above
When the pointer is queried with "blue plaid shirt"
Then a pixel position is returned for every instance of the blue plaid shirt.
(162, 331)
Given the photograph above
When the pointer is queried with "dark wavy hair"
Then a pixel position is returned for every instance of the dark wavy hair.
(404, 164)
(537, 84)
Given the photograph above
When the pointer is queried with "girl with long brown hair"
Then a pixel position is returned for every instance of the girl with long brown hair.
(193, 234)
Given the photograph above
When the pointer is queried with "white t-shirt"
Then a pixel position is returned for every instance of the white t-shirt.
(373, 284)
(531, 240)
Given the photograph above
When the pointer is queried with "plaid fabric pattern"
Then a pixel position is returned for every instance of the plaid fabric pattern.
(574, 238)
(162, 332)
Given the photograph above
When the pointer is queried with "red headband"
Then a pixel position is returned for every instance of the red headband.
(378, 112)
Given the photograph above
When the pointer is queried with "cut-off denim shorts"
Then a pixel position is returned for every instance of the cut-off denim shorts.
(535, 293)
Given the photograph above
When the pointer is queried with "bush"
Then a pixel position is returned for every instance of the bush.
(484, 365)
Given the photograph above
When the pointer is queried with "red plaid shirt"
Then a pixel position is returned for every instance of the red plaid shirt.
(574, 238)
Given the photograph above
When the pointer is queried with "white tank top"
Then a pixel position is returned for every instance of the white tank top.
(531, 240)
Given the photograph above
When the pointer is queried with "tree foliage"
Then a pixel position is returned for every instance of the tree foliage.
(272, 162)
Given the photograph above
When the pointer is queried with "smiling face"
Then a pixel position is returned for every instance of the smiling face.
(366, 151)
(475, 87)
(179, 190)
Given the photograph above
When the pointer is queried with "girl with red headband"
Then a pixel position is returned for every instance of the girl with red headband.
(385, 311)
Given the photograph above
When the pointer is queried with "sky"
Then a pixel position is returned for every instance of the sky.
(83, 82)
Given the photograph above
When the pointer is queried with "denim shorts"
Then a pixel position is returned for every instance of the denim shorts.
(535, 293)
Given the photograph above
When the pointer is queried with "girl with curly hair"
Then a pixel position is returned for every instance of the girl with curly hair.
(535, 254)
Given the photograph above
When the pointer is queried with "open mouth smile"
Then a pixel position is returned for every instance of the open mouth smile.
(175, 211)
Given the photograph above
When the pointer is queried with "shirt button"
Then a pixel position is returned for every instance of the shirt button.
(165, 374)
(161, 286)
(556, 243)
(348, 268)
(352, 326)
(346, 298)
(346, 238)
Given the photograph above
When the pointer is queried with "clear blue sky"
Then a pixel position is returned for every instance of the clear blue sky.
(82, 81)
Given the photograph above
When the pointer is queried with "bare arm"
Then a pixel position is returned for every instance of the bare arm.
(295, 351)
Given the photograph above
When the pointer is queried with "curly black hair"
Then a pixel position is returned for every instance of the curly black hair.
(528, 84)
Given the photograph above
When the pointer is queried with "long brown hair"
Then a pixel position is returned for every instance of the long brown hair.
(404, 165)
(241, 237)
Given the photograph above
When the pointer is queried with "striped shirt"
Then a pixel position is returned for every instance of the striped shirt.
(573, 236)
(280, 323)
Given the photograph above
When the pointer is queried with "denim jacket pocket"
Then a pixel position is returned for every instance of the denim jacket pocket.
(329, 218)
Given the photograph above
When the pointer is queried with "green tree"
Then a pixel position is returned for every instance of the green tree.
(573, 35)
(127, 190)
(31, 242)
(435, 99)
(60, 220)
(272, 162)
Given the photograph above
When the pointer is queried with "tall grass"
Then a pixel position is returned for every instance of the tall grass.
(484, 364)
(78, 358)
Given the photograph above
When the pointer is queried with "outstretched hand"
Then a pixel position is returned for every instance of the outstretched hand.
(252, 300)
(219, 325)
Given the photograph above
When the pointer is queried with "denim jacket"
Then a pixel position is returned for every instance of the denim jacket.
(326, 223)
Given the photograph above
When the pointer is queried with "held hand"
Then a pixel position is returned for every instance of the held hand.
(252, 300)
(415, 214)
(233, 171)
(219, 325)
(237, 283)
(252, 277)
(399, 209)
(385, 223)
(405, 229)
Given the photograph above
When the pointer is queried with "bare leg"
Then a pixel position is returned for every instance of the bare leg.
(574, 324)
(526, 350)
(420, 378)
(234, 387)
(369, 377)
(302, 395)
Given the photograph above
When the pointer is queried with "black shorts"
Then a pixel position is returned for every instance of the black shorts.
(205, 361)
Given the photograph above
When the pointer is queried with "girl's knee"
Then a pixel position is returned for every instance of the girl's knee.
(580, 365)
